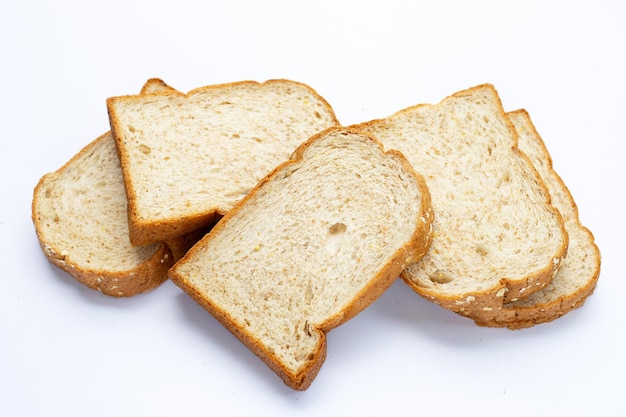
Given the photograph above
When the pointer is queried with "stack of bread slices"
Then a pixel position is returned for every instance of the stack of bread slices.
(283, 224)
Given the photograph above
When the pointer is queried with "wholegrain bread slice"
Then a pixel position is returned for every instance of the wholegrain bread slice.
(188, 158)
(497, 237)
(578, 276)
(80, 217)
(310, 246)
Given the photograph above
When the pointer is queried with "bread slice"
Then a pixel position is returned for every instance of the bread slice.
(187, 158)
(313, 244)
(81, 221)
(497, 237)
(579, 273)
(80, 218)
(181, 244)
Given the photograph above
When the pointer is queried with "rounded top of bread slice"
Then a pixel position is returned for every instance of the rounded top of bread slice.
(312, 245)
(497, 237)
(189, 157)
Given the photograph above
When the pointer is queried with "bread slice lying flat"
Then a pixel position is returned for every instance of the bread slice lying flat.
(497, 237)
(80, 216)
(187, 158)
(312, 245)
(579, 273)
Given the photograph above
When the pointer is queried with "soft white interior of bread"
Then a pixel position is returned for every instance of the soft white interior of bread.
(83, 212)
(189, 154)
(302, 248)
(492, 220)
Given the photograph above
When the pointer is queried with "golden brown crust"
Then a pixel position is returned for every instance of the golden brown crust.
(156, 85)
(145, 277)
(144, 233)
(525, 317)
(490, 306)
(413, 250)
(519, 317)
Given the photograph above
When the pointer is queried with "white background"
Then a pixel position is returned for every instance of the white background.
(69, 351)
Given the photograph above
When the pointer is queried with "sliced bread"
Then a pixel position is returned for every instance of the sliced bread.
(313, 244)
(579, 273)
(188, 158)
(497, 237)
(81, 221)
(80, 218)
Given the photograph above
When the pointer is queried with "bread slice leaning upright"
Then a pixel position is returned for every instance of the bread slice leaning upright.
(578, 276)
(312, 245)
(188, 158)
(497, 237)
(80, 216)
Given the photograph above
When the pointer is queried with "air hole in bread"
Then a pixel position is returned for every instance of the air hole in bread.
(337, 228)
(333, 238)
(145, 149)
(482, 250)
(441, 277)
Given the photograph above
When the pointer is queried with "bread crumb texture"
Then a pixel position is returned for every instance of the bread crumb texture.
(303, 251)
(187, 156)
(495, 233)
